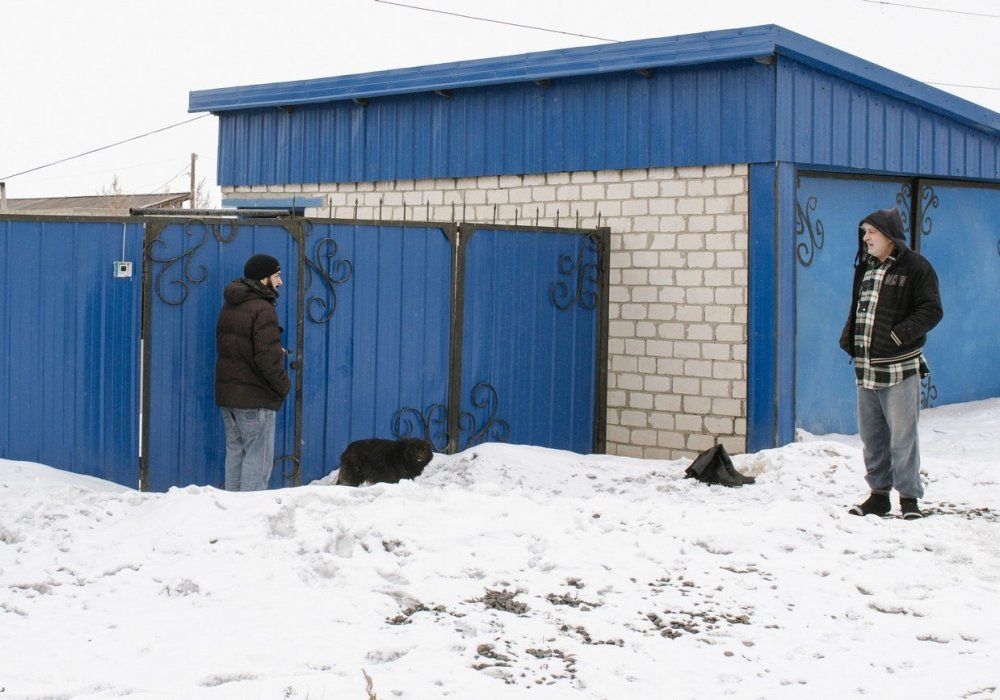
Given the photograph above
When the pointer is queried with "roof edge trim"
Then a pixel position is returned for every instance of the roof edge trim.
(683, 50)
(687, 49)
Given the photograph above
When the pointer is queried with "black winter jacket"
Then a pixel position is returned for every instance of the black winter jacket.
(250, 370)
(909, 303)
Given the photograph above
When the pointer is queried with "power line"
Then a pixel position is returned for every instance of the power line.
(496, 21)
(960, 85)
(931, 9)
(104, 148)
(590, 36)
(949, 11)
(183, 171)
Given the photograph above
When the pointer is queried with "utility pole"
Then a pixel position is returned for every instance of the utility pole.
(194, 157)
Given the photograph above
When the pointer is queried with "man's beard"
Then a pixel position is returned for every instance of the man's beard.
(268, 284)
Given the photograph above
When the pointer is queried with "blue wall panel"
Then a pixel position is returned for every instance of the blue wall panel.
(378, 313)
(720, 113)
(530, 345)
(69, 350)
(737, 112)
(762, 308)
(829, 210)
(957, 234)
(376, 331)
(191, 264)
(786, 310)
(960, 237)
(826, 121)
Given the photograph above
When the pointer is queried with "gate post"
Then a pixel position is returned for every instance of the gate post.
(461, 235)
(150, 231)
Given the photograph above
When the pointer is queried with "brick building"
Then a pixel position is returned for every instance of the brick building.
(731, 168)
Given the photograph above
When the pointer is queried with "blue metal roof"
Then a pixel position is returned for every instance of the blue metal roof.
(678, 51)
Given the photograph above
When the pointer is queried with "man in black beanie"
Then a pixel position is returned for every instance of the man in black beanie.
(895, 302)
(250, 378)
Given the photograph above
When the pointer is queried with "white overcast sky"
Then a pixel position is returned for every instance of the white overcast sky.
(81, 75)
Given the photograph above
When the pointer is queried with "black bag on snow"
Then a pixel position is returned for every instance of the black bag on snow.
(714, 466)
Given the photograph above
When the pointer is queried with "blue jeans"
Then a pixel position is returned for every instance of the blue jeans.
(887, 422)
(249, 447)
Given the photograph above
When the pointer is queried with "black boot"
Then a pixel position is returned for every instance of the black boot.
(877, 504)
(911, 511)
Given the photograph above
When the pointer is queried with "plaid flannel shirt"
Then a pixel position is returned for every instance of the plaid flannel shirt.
(879, 376)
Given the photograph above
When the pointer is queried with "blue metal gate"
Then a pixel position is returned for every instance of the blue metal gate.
(456, 333)
(377, 311)
(69, 350)
(187, 265)
(953, 226)
(959, 234)
(828, 210)
(532, 350)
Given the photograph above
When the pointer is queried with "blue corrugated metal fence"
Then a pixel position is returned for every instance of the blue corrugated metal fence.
(69, 347)
(374, 328)
(531, 320)
(373, 322)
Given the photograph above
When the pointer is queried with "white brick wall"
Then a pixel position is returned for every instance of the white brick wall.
(678, 286)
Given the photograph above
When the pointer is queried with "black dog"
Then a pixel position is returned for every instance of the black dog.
(383, 461)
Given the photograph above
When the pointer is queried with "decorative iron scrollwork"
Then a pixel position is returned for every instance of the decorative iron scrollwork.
(291, 477)
(587, 275)
(332, 273)
(928, 199)
(412, 422)
(928, 393)
(493, 429)
(432, 424)
(904, 199)
(187, 275)
(805, 251)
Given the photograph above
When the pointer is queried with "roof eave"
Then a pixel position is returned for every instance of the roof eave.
(643, 54)
(689, 49)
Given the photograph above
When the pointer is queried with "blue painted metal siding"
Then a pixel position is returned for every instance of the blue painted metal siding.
(377, 314)
(956, 229)
(719, 113)
(826, 121)
(736, 112)
(761, 42)
(826, 242)
(708, 102)
(190, 265)
(374, 304)
(376, 321)
(69, 350)
(960, 237)
(762, 307)
(786, 306)
(377, 332)
(530, 340)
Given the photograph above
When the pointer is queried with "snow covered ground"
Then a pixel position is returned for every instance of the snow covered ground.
(511, 572)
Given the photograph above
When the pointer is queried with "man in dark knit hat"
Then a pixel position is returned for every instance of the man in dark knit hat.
(250, 378)
(895, 302)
